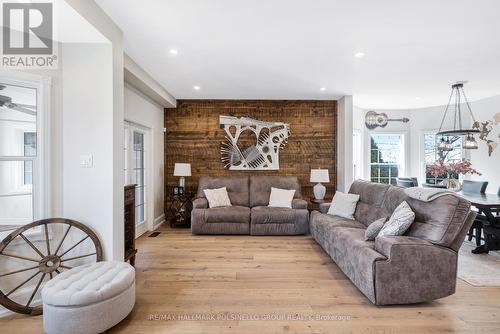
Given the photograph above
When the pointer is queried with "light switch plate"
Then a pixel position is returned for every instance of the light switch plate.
(86, 161)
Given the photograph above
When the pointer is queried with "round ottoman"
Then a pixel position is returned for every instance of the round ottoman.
(88, 299)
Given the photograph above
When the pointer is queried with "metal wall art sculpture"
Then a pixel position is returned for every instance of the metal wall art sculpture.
(252, 144)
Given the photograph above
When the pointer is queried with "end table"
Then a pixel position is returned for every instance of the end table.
(314, 203)
(180, 210)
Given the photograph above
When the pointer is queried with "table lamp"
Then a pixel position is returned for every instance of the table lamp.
(319, 175)
(182, 170)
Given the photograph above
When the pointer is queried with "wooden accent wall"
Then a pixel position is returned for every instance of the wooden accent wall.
(194, 136)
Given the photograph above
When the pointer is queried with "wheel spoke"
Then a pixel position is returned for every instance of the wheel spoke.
(77, 257)
(62, 240)
(36, 289)
(20, 257)
(20, 285)
(47, 239)
(50, 274)
(65, 267)
(31, 244)
(79, 242)
(58, 271)
(18, 271)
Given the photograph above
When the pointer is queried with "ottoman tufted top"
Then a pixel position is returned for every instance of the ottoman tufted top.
(88, 284)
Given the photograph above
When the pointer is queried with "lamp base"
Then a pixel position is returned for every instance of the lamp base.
(319, 191)
(182, 181)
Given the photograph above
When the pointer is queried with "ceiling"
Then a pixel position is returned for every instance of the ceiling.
(289, 49)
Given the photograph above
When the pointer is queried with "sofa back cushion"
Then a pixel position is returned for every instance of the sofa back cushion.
(439, 221)
(236, 186)
(260, 188)
(371, 197)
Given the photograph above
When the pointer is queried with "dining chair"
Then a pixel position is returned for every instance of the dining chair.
(407, 182)
(475, 187)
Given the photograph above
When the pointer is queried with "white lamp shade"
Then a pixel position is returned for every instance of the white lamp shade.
(182, 170)
(319, 175)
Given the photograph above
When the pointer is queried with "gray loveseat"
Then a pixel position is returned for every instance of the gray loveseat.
(417, 267)
(249, 213)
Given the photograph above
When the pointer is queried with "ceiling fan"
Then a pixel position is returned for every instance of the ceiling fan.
(6, 101)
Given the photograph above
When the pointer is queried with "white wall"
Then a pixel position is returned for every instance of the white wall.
(428, 120)
(142, 110)
(344, 143)
(87, 127)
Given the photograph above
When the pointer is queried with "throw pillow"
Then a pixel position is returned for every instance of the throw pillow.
(343, 205)
(374, 228)
(281, 198)
(400, 221)
(217, 197)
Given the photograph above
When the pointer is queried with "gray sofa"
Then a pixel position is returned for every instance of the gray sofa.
(417, 267)
(249, 213)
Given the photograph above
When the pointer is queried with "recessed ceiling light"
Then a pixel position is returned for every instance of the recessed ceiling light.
(196, 87)
(359, 54)
(322, 89)
(173, 51)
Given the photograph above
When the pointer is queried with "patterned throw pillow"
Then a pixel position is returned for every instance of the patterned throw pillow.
(217, 197)
(374, 228)
(400, 221)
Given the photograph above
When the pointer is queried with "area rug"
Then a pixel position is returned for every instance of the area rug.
(478, 269)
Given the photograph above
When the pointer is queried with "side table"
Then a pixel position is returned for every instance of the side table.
(180, 210)
(314, 203)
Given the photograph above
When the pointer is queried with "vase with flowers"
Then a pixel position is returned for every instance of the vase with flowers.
(440, 168)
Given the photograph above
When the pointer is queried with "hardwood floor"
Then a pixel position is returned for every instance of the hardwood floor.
(257, 277)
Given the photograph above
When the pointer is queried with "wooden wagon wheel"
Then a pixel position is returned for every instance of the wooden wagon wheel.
(50, 260)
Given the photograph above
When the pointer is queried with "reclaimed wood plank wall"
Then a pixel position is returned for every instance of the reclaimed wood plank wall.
(193, 135)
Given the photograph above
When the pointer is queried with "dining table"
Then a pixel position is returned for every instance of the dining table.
(488, 206)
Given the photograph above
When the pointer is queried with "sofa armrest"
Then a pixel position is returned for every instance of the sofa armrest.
(415, 271)
(387, 245)
(298, 203)
(200, 203)
(324, 207)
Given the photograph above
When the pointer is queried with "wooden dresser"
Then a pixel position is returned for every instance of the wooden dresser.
(130, 250)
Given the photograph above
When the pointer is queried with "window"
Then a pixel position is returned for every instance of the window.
(386, 157)
(432, 154)
(135, 167)
(18, 153)
(29, 151)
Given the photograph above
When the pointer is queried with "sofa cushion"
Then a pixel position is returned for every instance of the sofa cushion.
(267, 214)
(374, 229)
(230, 214)
(371, 197)
(260, 188)
(237, 187)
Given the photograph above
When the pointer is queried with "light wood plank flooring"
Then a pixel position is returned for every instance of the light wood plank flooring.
(180, 275)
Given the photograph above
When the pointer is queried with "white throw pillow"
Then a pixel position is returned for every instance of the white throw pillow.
(217, 197)
(400, 221)
(281, 198)
(343, 205)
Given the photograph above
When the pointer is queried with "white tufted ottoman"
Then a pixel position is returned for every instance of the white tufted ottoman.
(88, 299)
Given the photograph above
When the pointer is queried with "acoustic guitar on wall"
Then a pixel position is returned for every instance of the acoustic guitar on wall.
(374, 119)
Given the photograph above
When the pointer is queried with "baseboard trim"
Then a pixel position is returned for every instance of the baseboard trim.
(158, 221)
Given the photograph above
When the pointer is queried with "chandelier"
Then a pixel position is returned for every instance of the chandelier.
(454, 107)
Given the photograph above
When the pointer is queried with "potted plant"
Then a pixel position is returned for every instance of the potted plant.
(440, 168)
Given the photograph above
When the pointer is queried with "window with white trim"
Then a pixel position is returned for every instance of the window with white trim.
(18, 152)
(432, 154)
(386, 157)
